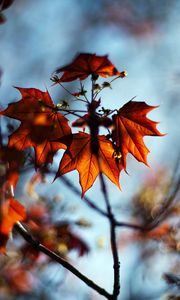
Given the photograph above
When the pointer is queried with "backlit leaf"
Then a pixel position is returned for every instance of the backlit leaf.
(131, 125)
(86, 64)
(11, 211)
(41, 123)
(79, 156)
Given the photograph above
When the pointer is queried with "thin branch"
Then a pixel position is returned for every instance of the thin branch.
(55, 257)
(89, 202)
(116, 265)
(76, 191)
(103, 87)
(136, 226)
(66, 89)
(82, 88)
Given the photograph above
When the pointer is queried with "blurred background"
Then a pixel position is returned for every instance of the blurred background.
(141, 37)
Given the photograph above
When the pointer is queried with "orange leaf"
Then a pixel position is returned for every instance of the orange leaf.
(34, 104)
(131, 125)
(11, 211)
(41, 123)
(86, 64)
(38, 137)
(79, 156)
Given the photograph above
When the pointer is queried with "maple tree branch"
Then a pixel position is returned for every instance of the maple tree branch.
(55, 257)
(116, 266)
(135, 226)
(76, 191)
(72, 113)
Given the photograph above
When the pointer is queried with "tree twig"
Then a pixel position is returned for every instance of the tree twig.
(76, 191)
(55, 257)
(116, 264)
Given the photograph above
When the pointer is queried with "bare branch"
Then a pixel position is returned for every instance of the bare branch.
(55, 257)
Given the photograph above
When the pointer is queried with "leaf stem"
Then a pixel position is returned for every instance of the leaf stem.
(66, 89)
(82, 88)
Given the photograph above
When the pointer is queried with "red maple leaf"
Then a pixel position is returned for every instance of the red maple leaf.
(79, 156)
(41, 123)
(131, 125)
(86, 64)
(11, 211)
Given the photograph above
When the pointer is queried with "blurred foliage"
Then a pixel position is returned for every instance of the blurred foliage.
(23, 266)
(137, 18)
(157, 208)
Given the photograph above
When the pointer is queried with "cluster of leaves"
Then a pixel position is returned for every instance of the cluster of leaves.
(44, 127)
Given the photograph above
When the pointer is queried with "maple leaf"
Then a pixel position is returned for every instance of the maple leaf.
(79, 156)
(34, 104)
(131, 125)
(86, 64)
(11, 211)
(41, 123)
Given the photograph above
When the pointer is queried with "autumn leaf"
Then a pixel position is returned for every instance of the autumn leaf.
(79, 156)
(11, 211)
(131, 125)
(37, 137)
(41, 123)
(34, 104)
(86, 64)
